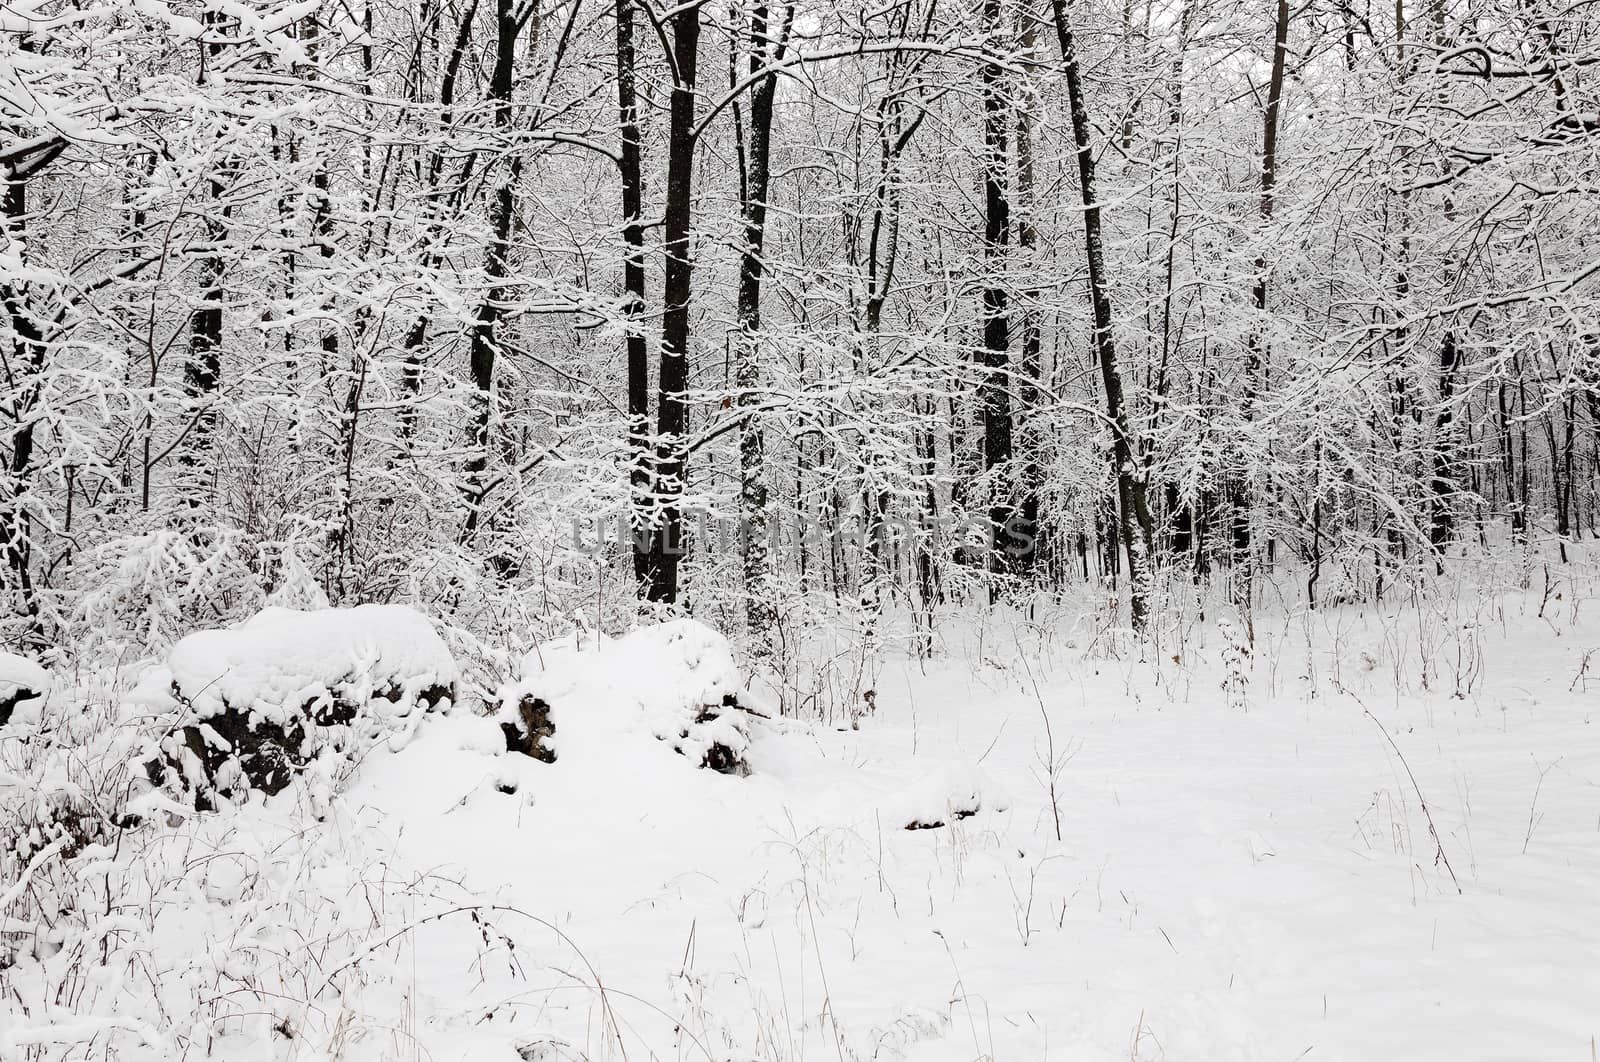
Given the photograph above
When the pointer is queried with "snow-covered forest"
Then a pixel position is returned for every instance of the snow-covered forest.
(934, 529)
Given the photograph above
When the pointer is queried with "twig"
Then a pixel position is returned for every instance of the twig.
(1052, 767)
(599, 986)
(1438, 845)
(1532, 821)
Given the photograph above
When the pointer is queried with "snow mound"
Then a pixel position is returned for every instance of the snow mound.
(23, 685)
(281, 658)
(954, 792)
(675, 681)
(258, 703)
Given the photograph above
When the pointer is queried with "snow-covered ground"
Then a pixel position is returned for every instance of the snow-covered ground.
(1378, 838)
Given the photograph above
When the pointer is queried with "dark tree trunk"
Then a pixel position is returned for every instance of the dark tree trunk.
(748, 377)
(417, 335)
(1180, 510)
(1133, 511)
(28, 355)
(632, 176)
(927, 574)
(322, 214)
(1025, 556)
(1441, 513)
(28, 360)
(202, 376)
(485, 341)
(1256, 353)
(667, 543)
(883, 249)
(995, 393)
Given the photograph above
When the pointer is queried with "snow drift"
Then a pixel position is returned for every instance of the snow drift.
(675, 681)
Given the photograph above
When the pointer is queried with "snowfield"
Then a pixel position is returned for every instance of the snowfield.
(1376, 837)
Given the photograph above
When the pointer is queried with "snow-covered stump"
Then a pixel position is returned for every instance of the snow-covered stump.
(23, 686)
(527, 727)
(264, 702)
(676, 680)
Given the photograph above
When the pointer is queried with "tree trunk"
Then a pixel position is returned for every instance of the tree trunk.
(417, 335)
(485, 341)
(1508, 465)
(748, 378)
(667, 543)
(1255, 360)
(1441, 514)
(202, 376)
(883, 249)
(1025, 554)
(995, 393)
(1133, 510)
(641, 505)
(28, 355)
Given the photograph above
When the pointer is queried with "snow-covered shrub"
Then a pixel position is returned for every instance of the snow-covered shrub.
(246, 936)
(64, 774)
(258, 704)
(823, 654)
(143, 592)
(677, 680)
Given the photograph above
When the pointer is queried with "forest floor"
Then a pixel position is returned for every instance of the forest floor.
(1377, 838)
